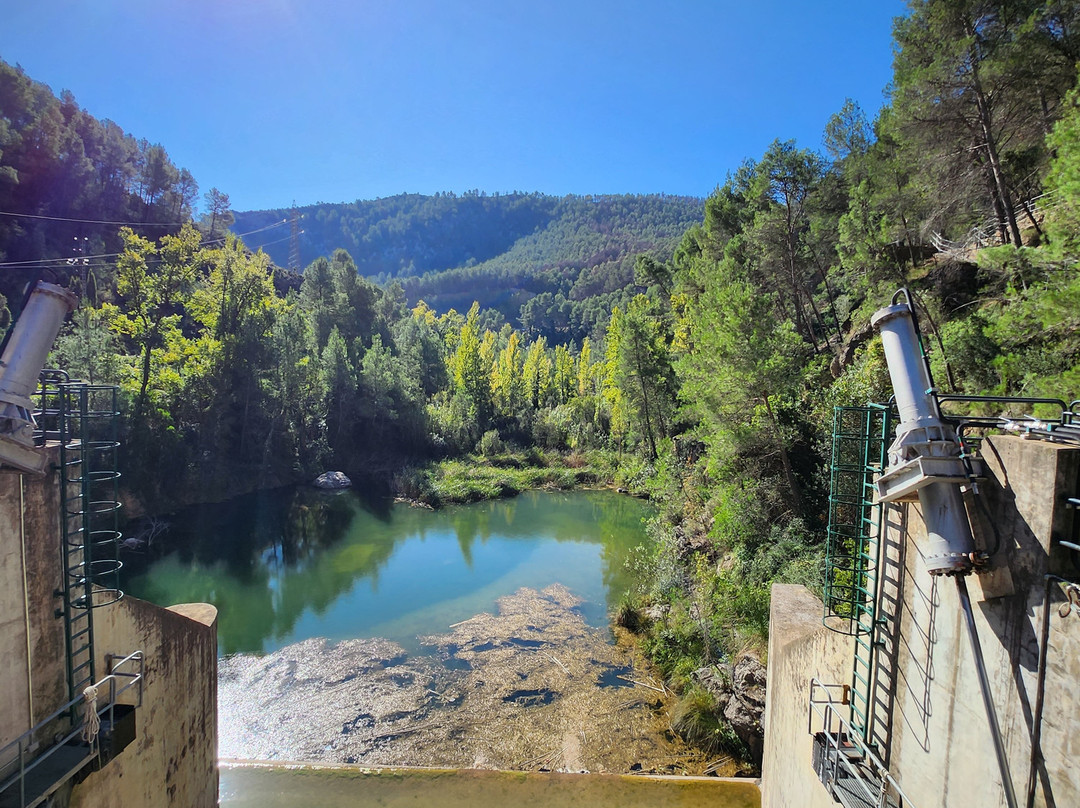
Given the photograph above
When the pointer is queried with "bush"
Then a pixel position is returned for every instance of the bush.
(696, 718)
(491, 444)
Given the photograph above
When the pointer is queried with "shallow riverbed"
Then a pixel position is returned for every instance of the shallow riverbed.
(383, 635)
(530, 687)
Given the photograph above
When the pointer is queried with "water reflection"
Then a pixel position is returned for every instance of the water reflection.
(286, 565)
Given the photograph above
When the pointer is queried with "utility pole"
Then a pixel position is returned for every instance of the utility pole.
(294, 239)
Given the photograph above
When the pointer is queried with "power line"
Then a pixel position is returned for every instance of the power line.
(90, 221)
(37, 262)
(56, 263)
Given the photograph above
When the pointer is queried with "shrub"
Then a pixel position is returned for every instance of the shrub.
(491, 444)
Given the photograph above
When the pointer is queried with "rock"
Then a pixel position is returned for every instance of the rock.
(749, 681)
(716, 682)
(746, 721)
(656, 613)
(532, 683)
(332, 480)
(740, 699)
(747, 708)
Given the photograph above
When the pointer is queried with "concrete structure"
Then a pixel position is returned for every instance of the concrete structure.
(173, 758)
(929, 727)
(32, 664)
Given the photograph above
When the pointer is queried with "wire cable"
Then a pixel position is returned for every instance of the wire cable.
(88, 221)
(72, 260)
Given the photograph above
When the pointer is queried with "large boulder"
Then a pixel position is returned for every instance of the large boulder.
(740, 699)
(332, 480)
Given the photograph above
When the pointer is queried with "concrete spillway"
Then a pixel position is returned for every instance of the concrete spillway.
(255, 785)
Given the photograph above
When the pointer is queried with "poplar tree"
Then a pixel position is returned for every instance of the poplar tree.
(537, 373)
(507, 382)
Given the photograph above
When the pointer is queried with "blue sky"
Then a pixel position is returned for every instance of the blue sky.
(316, 100)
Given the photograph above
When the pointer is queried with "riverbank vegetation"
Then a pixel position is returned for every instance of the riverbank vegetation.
(708, 384)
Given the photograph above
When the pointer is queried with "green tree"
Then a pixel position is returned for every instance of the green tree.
(1063, 179)
(507, 381)
(742, 365)
(218, 213)
(537, 372)
(564, 379)
(471, 375)
(643, 371)
(974, 84)
(153, 299)
(338, 382)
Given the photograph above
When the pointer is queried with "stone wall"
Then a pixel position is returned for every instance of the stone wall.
(930, 723)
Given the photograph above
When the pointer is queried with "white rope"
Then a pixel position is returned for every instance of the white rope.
(91, 721)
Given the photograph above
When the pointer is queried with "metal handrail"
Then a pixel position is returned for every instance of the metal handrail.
(1001, 400)
(833, 725)
(25, 742)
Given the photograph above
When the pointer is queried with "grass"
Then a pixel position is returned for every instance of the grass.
(480, 477)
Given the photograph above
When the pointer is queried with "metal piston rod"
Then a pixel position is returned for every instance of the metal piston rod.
(984, 687)
(926, 458)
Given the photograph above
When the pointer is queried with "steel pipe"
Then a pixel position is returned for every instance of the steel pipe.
(924, 441)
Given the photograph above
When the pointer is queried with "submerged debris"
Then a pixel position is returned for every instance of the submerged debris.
(525, 688)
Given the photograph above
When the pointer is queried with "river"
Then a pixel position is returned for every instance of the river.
(368, 632)
(288, 565)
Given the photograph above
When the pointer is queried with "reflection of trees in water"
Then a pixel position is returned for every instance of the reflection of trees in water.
(560, 517)
(266, 559)
(315, 520)
(289, 524)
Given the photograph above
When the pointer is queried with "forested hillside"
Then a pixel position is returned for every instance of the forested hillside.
(557, 265)
(67, 183)
(706, 380)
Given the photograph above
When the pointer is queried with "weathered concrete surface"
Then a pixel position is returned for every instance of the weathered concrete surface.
(261, 785)
(33, 680)
(932, 725)
(173, 760)
(945, 755)
(14, 628)
(799, 647)
(517, 690)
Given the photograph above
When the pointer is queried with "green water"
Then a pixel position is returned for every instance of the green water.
(271, 787)
(287, 565)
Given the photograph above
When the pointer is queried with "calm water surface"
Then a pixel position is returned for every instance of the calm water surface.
(287, 565)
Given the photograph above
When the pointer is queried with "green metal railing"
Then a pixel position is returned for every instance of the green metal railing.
(860, 451)
(84, 419)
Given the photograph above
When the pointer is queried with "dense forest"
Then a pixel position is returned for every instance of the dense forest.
(556, 265)
(709, 382)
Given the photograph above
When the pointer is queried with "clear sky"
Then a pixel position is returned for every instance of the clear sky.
(336, 100)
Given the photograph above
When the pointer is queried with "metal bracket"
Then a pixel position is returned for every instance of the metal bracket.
(902, 483)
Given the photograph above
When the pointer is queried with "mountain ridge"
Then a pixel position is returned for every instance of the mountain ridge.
(574, 255)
